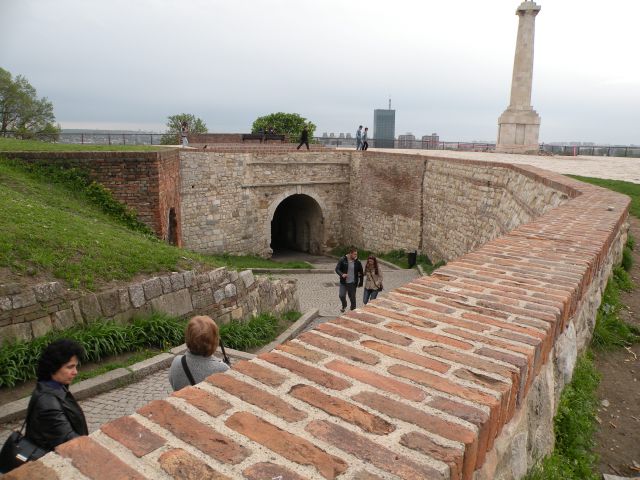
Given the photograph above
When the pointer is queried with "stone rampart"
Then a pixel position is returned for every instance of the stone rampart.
(441, 207)
(28, 312)
(228, 199)
(453, 376)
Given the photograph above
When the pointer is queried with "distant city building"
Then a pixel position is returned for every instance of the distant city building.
(407, 141)
(430, 141)
(384, 127)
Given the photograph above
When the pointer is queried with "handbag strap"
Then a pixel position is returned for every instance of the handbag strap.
(225, 358)
(185, 367)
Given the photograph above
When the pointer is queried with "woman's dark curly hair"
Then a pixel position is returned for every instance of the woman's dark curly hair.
(55, 355)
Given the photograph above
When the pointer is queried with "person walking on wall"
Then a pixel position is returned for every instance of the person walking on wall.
(372, 279)
(304, 138)
(349, 269)
(359, 138)
(365, 137)
(184, 133)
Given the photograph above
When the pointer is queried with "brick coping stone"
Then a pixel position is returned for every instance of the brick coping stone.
(415, 385)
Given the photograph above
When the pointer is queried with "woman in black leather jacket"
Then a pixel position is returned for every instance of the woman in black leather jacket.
(54, 415)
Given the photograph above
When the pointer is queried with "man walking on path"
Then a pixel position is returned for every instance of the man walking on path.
(359, 138)
(349, 269)
(304, 138)
(365, 137)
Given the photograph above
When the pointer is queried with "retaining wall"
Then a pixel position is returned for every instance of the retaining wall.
(27, 312)
(450, 376)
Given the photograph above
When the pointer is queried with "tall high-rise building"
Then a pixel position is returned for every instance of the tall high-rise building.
(384, 127)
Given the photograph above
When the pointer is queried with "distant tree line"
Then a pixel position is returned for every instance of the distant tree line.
(22, 113)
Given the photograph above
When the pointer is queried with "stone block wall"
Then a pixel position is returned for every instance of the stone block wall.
(30, 312)
(453, 376)
(441, 207)
(228, 199)
(145, 181)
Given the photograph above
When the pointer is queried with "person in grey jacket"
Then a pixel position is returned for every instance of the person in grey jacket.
(202, 338)
(54, 415)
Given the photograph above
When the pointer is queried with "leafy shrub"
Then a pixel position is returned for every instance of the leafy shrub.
(631, 242)
(256, 332)
(99, 339)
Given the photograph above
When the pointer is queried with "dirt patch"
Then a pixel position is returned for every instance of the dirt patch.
(618, 437)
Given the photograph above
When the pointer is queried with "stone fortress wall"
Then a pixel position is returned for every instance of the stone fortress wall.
(451, 376)
(28, 312)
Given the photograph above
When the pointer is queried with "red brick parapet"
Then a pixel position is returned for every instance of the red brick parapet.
(420, 384)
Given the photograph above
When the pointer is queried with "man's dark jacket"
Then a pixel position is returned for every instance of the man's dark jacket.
(343, 267)
(55, 417)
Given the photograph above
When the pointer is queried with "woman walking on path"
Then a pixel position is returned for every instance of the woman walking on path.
(373, 279)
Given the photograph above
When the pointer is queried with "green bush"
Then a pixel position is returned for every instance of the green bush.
(99, 339)
(256, 332)
(631, 242)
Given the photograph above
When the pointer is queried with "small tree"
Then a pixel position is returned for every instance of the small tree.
(290, 124)
(174, 124)
(22, 113)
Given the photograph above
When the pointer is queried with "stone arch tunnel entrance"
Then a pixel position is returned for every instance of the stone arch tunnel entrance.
(297, 224)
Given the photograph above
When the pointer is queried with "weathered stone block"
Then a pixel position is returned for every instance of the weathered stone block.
(230, 290)
(109, 302)
(218, 295)
(247, 277)
(20, 331)
(218, 276)
(5, 304)
(237, 313)
(152, 288)
(189, 279)
(136, 293)
(41, 326)
(201, 298)
(233, 276)
(177, 281)
(46, 292)
(90, 307)
(176, 303)
(63, 319)
(166, 284)
(24, 299)
(10, 289)
(123, 297)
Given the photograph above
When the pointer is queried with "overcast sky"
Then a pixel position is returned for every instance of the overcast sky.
(446, 64)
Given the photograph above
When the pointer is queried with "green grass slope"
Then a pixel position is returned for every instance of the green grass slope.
(49, 226)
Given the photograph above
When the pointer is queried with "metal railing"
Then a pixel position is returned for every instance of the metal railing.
(107, 138)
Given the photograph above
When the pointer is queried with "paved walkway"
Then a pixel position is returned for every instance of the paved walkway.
(616, 168)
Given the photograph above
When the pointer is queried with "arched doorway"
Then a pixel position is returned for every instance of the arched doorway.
(297, 224)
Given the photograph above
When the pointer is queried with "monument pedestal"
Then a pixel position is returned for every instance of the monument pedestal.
(518, 131)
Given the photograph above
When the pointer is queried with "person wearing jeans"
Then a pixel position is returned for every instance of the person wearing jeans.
(349, 269)
(373, 279)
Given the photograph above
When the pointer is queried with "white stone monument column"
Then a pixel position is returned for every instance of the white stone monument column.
(519, 125)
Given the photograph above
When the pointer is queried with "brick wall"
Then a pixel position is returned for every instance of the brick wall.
(28, 312)
(447, 377)
(144, 181)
